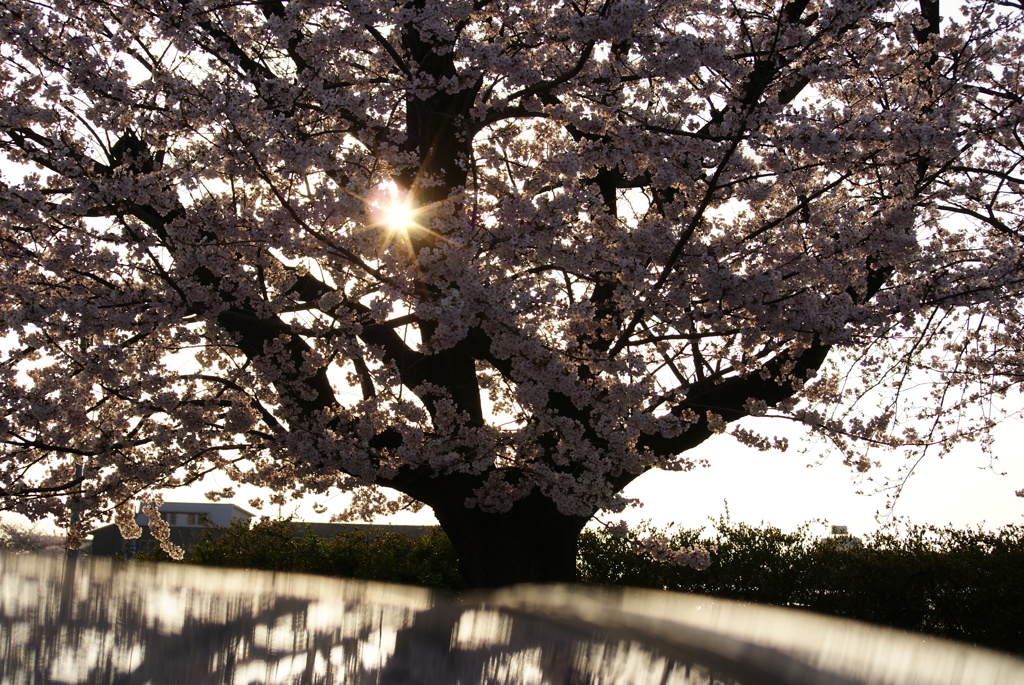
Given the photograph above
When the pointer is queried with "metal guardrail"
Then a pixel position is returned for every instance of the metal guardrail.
(101, 621)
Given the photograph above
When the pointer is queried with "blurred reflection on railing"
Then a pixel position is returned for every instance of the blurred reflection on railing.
(97, 621)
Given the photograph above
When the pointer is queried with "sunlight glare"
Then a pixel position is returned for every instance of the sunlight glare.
(392, 210)
(398, 216)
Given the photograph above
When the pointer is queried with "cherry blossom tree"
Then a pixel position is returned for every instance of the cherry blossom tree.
(495, 257)
(19, 538)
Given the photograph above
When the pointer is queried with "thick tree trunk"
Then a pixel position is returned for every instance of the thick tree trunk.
(532, 543)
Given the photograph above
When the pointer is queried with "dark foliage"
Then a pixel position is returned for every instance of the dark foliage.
(959, 584)
(428, 560)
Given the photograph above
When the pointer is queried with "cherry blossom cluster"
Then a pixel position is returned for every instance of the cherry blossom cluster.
(661, 548)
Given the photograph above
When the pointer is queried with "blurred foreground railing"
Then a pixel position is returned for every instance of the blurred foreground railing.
(98, 621)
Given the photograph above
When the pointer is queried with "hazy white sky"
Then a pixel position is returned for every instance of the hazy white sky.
(781, 489)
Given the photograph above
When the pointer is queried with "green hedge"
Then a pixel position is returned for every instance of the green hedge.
(271, 545)
(964, 585)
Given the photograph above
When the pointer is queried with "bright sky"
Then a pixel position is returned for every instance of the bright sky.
(962, 489)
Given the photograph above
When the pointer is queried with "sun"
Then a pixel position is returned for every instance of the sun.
(398, 215)
(392, 212)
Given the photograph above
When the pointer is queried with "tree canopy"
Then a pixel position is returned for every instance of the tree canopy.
(501, 256)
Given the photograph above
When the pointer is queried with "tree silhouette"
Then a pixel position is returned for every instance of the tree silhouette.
(502, 257)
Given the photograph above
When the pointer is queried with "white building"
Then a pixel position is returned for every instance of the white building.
(187, 521)
(197, 514)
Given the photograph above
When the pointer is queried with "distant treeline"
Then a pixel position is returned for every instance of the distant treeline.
(960, 584)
